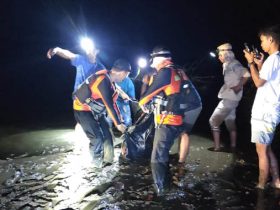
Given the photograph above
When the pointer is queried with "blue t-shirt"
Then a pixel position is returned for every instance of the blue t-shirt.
(128, 87)
(84, 69)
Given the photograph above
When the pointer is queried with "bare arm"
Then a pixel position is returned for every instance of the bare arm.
(255, 76)
(253, 68)
(239, 87)
(122, 93)
(66, 54)
(243, 79)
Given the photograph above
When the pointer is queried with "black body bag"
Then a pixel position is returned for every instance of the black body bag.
(139, 138)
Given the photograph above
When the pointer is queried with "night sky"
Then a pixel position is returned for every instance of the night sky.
(34, 89)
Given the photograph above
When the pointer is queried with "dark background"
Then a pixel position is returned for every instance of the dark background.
(37, 91)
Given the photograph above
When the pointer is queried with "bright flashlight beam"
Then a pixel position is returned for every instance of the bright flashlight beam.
(142, 62)
(87, 45)
(212, 54)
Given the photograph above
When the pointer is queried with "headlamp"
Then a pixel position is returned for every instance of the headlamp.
(142, 62)
(87, 45)
(159, 55)
(213, 54)
(162, 53)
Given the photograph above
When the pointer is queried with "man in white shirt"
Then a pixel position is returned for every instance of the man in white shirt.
(235, 76)
(266, 107)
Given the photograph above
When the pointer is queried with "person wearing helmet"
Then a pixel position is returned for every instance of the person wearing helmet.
(235, 76)
(96, 96)
(164, 91)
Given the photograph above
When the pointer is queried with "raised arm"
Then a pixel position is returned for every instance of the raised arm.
(66, 54)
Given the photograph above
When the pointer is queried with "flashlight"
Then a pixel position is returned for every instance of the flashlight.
(87, 45)
(142, 62)
(212, 54)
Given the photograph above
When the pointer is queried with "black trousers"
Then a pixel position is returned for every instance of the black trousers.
(99, 134)
(163, 140)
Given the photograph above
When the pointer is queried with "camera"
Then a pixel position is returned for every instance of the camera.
(256, 52)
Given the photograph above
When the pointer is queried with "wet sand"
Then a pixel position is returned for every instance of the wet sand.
(51, 169)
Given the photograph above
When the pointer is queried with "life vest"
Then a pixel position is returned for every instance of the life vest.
(87, 96)
(171, 106)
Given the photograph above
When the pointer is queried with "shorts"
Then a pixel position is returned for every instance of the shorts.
(263, 126)
(225, 111)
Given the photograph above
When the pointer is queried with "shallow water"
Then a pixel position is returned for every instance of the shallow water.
(50, 169)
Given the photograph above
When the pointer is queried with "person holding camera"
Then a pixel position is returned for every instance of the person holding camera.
(266, 108)
(235, 76)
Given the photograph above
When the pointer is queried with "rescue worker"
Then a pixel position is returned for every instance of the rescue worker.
(165, 91)
(92, 99)
(192, 111)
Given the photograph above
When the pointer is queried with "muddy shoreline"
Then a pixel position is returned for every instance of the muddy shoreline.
(59, 176)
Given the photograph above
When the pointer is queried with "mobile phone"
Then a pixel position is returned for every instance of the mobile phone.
(256, 52)
(247, 48)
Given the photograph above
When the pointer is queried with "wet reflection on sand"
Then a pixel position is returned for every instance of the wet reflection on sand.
(51, 169)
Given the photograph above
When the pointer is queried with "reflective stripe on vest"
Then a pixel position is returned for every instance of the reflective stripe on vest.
(169, 119)
(77, 105)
